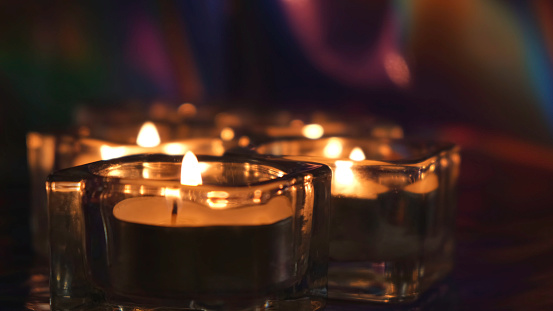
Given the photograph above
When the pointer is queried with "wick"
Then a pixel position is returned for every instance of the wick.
(174, 212)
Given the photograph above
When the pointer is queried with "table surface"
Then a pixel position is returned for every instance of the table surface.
(504, 244)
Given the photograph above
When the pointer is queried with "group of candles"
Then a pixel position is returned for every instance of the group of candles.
(254, 222)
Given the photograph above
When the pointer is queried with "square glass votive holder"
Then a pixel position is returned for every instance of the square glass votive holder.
(392, 213)
(48, 152)
(125, 234)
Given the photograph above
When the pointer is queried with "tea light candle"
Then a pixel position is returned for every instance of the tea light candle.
(257, 251)
(147, 141)
(390, 230)
(234, 233)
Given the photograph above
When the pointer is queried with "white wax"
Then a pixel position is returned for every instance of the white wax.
(158, 211)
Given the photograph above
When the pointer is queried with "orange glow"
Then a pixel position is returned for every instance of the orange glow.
(357, 154)
(312, 131)
(107, 152)
(333, 149)
(227, 134)
(343, 174)
(191, 174)
(217, 199)
(187, 110)
(174, 148)
(148, 135)
(244, 141)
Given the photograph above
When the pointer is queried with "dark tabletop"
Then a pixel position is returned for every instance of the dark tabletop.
(504, 241)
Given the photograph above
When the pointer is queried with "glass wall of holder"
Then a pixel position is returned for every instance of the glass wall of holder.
(251, 234)
(51, 152)
(392, 213)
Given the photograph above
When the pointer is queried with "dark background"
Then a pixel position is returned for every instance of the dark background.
(478, 73)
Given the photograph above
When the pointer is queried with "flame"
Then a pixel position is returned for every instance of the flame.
(312, 131)
(333, 149)
(148, 135)
(357, 154)
(191, 173)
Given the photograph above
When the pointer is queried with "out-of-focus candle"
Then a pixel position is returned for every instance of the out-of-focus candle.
(148, 141)
(392, 213)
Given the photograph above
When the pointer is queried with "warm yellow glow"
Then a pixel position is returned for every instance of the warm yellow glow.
(187, 110)
(217, 199)
(333, 149)
(174, 148)
(312, 131)
(227, 134)
(244, 141)
(343, 174)
(357, 154)
(148, 135)
(191, 174)
(172, 192)
(107, 152)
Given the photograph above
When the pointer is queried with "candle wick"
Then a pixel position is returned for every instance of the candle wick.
(174, 212)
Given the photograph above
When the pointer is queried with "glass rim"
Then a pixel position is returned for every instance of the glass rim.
(435, 149)
(293, 171)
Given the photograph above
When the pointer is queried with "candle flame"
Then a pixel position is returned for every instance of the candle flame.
(148, 135)
(357, 154)
(312, 131)
(333, 149)
(191, 174)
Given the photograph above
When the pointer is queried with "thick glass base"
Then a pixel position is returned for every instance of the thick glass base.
(386, 282)
(303, 304)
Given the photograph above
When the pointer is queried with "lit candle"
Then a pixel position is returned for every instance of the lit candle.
(232, 233)
(147, 141)
(390, 230)
(189, 247)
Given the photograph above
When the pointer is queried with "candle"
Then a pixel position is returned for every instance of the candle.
(233, 233)
(392, 210)
(147, 141)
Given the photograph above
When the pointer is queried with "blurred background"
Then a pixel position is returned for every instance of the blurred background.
(478, 73)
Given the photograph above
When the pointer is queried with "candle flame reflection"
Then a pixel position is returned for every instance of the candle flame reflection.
(191, 174)
(343, 174)
(148, 135)
(217, 199)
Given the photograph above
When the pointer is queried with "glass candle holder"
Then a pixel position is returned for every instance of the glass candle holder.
(392, 213)
(49, 152)
(126, 235)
